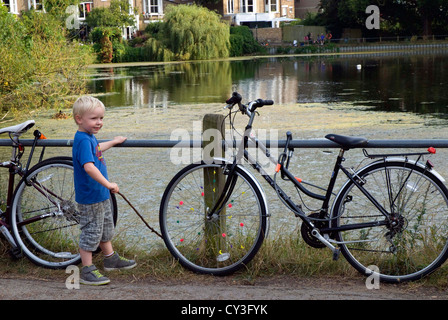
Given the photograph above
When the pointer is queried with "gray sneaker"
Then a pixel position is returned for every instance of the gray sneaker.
(115, 262)
(90, 275)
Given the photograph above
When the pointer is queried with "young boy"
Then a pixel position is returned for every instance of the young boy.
(92, 191)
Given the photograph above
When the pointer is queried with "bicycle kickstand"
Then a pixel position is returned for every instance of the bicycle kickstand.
(15, 251)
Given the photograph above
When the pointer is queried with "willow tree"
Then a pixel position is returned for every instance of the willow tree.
(195, 33)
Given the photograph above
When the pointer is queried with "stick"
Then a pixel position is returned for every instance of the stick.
(149, 227)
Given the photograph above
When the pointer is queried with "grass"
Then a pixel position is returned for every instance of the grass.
(288, 256)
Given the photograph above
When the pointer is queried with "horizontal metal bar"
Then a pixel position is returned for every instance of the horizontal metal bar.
(313, 143)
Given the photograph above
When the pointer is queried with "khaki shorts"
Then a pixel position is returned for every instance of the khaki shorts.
(96, 224)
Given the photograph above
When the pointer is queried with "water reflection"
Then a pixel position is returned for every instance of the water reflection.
(414, 83)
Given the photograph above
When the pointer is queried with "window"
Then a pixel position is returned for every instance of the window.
(152, 7)
(247, 6)
(11, 5)
(36, 5)
(229, 6)
(271, 5)
(84, 8)
(131, 7)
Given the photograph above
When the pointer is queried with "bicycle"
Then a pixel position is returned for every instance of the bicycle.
(388, 219)
(41, 219)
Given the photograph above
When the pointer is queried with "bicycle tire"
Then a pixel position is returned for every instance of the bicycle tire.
(413, 243)
(229, 240)
(50, 242)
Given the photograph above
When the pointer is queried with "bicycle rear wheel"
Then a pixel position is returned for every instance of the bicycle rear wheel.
(231, 238)
(412, 242)
(44, 215)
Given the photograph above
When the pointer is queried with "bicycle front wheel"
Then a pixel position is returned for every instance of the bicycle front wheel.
(44, 215)
(228, 240)
(411, 241)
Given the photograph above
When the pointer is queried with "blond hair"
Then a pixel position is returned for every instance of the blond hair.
(84, 104)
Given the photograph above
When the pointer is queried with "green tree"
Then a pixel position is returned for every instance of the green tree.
(417, 16)
(106, 24)
(57, 8)
(117, 15)
(39, 68)
(398, 17)
(339, 14)
(192, 32)
(242, 41)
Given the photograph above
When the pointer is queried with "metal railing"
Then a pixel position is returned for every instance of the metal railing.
(313, 143)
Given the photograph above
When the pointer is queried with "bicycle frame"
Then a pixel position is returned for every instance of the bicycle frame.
(15, 167)
(242, 152)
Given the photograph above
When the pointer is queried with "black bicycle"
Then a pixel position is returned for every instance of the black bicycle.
(391, 214)
(41, 219)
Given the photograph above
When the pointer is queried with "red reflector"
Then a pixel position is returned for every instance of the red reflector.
(432, 150)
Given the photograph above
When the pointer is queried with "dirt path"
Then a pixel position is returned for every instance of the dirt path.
(199, 288)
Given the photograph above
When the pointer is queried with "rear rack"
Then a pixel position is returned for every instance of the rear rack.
(430, 150)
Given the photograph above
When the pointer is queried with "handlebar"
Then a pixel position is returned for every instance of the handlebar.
(236, 99)
(260, 103)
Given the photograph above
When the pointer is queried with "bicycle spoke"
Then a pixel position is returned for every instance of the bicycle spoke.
(413, 241)
(44, 223)
(215, 244)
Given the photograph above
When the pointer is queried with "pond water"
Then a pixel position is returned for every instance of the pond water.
(415, 83)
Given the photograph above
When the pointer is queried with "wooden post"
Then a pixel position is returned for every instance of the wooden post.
(214, 180)
(213, 126)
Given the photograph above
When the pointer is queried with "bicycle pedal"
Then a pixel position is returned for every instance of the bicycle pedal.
(336, 253)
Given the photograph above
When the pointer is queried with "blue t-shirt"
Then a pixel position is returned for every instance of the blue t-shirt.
(86, 149)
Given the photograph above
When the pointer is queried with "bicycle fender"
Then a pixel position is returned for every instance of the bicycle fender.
(257, 183)
(419, 164)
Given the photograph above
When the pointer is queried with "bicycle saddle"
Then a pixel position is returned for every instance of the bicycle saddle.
(18, 129)
(347, 142)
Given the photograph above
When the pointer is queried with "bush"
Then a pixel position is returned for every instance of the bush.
(244, 41)
(39, 67)
(117, 15)
(236, 45)
(108, 44)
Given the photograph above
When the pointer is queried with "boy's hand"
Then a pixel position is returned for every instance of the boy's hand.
(113, 187)
(119, 139)
(112, 143)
